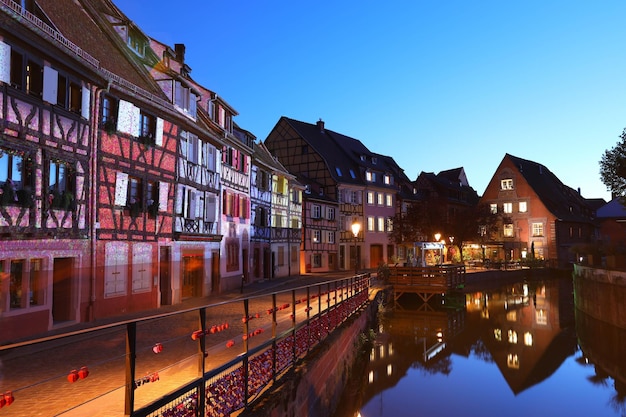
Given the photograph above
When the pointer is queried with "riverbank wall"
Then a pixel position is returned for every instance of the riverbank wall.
(313, 387)
(601, 293)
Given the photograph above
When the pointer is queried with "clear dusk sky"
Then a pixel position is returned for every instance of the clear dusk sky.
(434, 84)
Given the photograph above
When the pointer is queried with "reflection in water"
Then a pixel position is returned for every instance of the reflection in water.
(507, 351)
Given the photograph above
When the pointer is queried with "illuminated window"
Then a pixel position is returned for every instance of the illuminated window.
(506, 184)
(493, 207)
(528, 339)
(370, 197)
(389, 370)
(389, 200)
(380, 199)
(316, 236)
(381, 224)
(508, 230)
(370, 223)
(507, 207)
(497, 334)
(512, 361)
(541, 316)
(511, 315)
(512, 337)
(537, 229)
(523, 207)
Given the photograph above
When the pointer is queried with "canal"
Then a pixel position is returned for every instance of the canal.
(516, 349)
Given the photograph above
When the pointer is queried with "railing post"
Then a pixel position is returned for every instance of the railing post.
(246, 331)
(131, 355)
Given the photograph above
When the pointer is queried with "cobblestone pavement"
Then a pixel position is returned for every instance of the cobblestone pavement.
(38, 374)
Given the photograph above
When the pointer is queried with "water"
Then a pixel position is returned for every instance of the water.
(518, 350)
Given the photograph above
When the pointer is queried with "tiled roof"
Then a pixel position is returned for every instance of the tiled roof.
(613, 209)
(81, 23)
(343, 152)
(562, 201)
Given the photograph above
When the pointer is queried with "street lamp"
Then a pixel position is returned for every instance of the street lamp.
(356, 228)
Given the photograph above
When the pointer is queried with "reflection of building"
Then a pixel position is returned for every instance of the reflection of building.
(522, 328)
(542, 217)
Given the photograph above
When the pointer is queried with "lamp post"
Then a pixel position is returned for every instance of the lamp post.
(356, 228)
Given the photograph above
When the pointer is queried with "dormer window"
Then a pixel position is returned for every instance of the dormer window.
(506, 184)
(352, 174)
(338, 171)
(136, 43)
(387, 179)
(363, 158)
(374, 160)
(370, 176)
(185, 99)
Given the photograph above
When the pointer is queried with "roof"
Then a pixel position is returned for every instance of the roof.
(562, 201)
(83, 23)
(344, 153)
(612, 209)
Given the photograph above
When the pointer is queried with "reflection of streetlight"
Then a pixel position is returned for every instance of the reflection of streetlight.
(356, 228)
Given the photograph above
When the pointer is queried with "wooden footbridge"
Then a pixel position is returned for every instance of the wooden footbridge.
(426, 281)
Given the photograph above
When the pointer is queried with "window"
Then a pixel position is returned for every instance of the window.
(316, 236)
(523, 208)
(537, 229)
(15, 179)
(374, 160)
(316, 211)
(26, 285)
(507, 207)
(338, 171)
(370, 224)
(147, 128)
(389, 224)
(387, 179)
(115, 268)
(61, 188)
(389, 200)
(330, 213)
(370, 198)
(317, 260)
(380, 199)
(381, 224)
(370, 176)
(352, 174)
(508, 230)
(134, 197)
(152, 198)
(506, 184)
(141, 267)
(136, 43)
(493, 208)
(109, 113)
(185, 99)
(331, 237)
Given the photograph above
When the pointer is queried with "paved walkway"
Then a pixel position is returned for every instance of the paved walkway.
(38, 373)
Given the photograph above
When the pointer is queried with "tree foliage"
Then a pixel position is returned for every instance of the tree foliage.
(613, 168)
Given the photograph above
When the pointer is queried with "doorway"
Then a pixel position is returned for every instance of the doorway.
(165, 283)
(62, 289)
(193, 266)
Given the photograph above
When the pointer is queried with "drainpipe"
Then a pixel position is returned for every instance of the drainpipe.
(93, 195)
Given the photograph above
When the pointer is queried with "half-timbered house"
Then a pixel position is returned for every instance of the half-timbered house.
(346, 171)
(195, 249)
(235, 188)
(48, 86)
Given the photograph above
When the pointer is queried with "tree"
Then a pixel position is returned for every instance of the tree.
(476, 224)
(613, 168)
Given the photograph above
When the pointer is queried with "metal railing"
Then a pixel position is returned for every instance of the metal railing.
(204, 360)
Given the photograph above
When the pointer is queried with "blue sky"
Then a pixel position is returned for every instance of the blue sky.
(434, 84)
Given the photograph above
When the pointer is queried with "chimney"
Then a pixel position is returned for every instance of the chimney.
(179, 48)
(320, 125)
